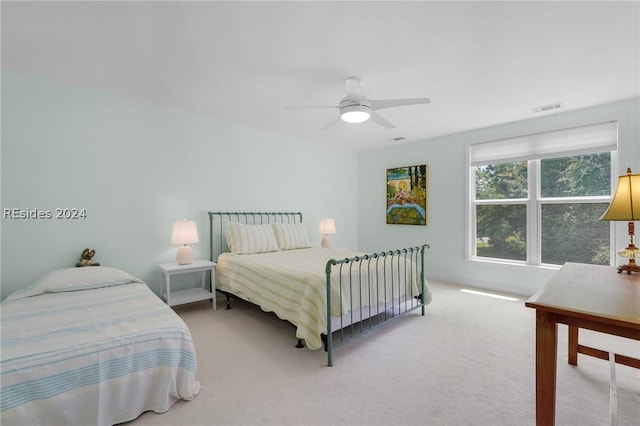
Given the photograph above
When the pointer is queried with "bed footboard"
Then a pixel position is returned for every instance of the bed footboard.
(372, 289)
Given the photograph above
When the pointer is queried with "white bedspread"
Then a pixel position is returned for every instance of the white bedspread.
(92, 354)
(292, 284)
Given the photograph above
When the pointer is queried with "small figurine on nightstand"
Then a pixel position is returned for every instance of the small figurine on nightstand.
(85, 258)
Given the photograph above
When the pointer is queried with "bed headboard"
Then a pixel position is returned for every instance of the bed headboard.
(219, 220)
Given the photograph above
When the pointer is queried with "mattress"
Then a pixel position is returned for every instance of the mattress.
(92, 346)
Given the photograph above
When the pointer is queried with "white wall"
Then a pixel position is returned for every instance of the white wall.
(136, 168)
(445, 231)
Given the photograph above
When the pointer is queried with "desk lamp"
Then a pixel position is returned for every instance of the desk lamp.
(625, 206)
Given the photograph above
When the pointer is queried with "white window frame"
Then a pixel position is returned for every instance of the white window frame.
(516, 149)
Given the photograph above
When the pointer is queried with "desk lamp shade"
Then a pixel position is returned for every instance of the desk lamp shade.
(625, 207)
(327, 226)
(184, 232)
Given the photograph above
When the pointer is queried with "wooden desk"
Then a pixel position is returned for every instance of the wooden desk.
(582, 296)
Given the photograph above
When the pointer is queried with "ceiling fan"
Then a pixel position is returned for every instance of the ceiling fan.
(354, 108)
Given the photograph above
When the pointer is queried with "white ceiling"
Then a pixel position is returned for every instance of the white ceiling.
(481, 63)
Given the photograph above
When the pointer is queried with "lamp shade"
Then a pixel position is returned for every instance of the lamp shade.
(327, 226)
(184, 232)
(625, 205)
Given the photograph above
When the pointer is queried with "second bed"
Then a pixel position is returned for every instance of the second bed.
(330, 296)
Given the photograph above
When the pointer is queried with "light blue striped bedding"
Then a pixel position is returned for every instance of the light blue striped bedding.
(101, 354)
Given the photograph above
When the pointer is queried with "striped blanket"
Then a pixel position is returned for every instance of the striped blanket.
(91, 346)
(292, 284)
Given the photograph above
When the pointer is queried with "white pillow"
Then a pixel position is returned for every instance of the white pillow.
(290, 235)
(74, 279)
(250, 239)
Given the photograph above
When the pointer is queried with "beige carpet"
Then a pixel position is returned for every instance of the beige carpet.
(469, 361)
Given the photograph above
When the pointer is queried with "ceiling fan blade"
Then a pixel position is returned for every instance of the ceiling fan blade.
(381, 120)
(331, 123)
(391, 103)
(353, 87)
(309, 107)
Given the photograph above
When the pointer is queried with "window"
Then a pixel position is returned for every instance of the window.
(537, 199)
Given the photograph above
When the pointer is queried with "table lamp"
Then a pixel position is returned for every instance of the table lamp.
(327, 226)
(625, 206)
(184, 232)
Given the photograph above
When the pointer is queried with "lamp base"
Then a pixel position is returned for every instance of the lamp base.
(629, 268)
(326, 242)
(185, 255)
(631, 252)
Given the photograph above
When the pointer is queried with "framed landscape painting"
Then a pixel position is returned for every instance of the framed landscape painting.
(407, 195)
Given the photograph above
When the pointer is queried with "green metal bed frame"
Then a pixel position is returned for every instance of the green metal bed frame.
(394, 310)
(255, 218)
(350, 273)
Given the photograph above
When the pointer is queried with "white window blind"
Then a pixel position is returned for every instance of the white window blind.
(560, 143)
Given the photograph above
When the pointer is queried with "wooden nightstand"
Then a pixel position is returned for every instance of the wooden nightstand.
(193, 294)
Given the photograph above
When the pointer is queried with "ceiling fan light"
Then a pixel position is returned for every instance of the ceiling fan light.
(355, 113)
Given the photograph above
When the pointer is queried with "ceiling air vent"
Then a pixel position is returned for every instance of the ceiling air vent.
(545, 108)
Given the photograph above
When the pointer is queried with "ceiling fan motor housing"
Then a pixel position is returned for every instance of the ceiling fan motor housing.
(354, 110)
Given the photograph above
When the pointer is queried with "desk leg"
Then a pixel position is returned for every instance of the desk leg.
(546, 360)
(573, 345)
